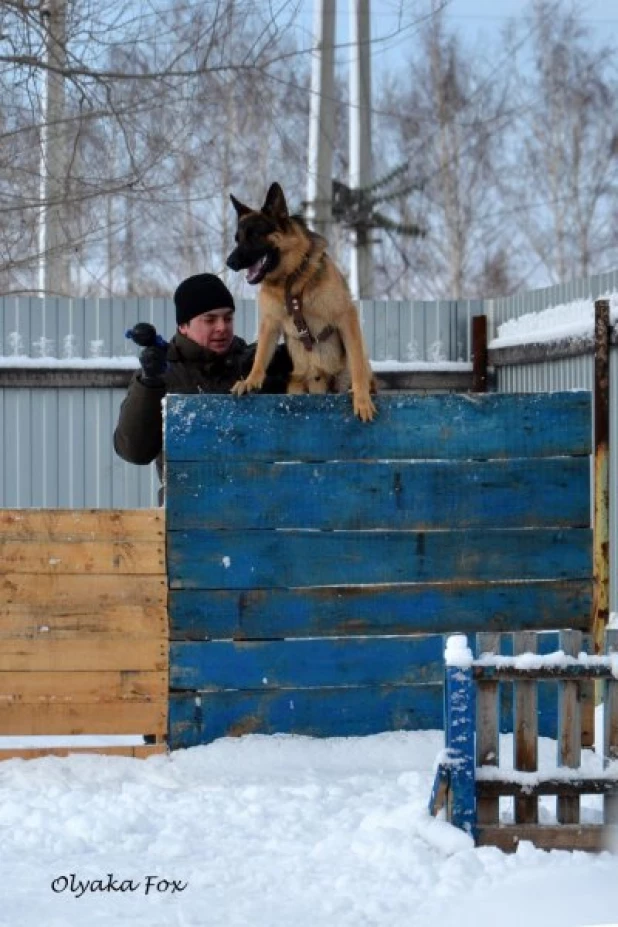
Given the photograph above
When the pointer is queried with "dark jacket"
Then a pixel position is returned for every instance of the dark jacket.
(138, 437)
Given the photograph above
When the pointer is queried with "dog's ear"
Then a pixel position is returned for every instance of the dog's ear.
(241, 209)
(275, 204)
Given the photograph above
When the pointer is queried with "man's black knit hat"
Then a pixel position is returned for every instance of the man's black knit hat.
(201, 293)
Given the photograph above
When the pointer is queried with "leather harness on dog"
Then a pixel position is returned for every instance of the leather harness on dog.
(294, 306)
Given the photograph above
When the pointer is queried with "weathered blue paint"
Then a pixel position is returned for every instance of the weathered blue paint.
(197, 614)
(280, 559)
(450, 427)
(421, 495)
(289, 519)
(346, 711)
(261, 665)
(459, 730)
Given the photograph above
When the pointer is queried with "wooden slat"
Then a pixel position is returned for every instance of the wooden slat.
(90, 718)
(440, 790)
(37, 688)
(488, 729)
(344, 712)
(610, 727)
(37, 620)
(569, 728)
(138, 751)
(75, 525)
(324, 428)
(269, 665)
(572, 787)
(525, 740)
(74, 594)
(84, 652)
(237, 560)
(507, 837)
(377, 609)
(575, 673)
(83, 556)
(423, 495)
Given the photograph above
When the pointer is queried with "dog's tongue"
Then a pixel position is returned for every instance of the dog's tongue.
(254, 271)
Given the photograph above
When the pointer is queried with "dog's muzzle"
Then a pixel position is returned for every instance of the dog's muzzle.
(234, 261)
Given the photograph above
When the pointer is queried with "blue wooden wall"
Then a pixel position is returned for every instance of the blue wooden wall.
(314, 561)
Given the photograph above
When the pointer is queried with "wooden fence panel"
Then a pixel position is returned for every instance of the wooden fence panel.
(308, 551)
(83, 627)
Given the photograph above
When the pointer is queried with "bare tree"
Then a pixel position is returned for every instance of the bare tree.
(146, 98)
(561, 170)
(447, 119)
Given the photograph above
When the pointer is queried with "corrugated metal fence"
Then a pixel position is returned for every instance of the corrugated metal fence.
(95, 328)
(513, 307)
(57, 442)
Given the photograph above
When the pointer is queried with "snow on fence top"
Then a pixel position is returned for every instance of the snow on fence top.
(571, 321)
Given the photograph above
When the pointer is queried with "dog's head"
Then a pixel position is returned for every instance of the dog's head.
(259, 235)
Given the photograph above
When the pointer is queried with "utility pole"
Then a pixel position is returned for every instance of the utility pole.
(318, 208)
(361, 261)
(53, 255)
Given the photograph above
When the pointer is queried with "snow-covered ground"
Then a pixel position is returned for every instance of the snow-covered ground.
(272, 832)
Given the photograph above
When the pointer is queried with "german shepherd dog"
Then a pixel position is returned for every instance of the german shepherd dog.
(304, 297)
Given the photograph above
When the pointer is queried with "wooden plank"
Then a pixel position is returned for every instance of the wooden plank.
(440, 790)
(324, 428)
(237, 560)
(569, 728)
(82, 556)
(507, 837)
(215, 665)
(547, 711)
(378, 609)
(76, 618)
(73, 718)
(574, 673)
(37, 688)
(525, 739)
(459, 737)
(570, 787)
(67, 652)
(82, 525)
(487, 729)
(74, 593)
(137, 752)
(455, 381)
(610, 727)
(540, 352)
(424, 495)
(345, 712)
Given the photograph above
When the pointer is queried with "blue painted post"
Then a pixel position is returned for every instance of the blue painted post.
(459, 732)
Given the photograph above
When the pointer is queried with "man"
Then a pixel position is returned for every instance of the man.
(204, 356)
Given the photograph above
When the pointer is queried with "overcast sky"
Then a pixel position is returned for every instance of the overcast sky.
(395, 22)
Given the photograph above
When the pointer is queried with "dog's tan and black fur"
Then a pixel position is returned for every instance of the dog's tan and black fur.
(304, 296)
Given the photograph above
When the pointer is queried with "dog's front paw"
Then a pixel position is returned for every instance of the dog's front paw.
(364, 407)
(253, 382)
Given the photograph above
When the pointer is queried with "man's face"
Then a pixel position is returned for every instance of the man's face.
(213, 330)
